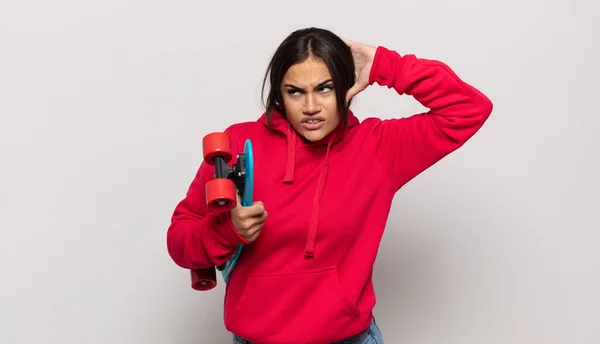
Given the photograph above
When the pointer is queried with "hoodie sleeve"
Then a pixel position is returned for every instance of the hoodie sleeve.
(408, 146)
(197, 238)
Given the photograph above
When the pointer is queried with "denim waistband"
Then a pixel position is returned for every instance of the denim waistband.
(356, 339)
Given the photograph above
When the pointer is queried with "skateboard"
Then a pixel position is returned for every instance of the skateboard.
(221, 195)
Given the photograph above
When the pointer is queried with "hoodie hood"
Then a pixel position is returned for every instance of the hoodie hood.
(280, 124)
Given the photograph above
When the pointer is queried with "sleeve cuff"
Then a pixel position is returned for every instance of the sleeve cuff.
(386, 66)
(224, 233)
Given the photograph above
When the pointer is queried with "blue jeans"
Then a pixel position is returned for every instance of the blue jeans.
(372, 335)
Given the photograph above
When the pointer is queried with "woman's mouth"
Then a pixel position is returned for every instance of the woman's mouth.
(313, 123)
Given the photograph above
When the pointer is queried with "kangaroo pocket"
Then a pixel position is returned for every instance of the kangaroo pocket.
(306, 306)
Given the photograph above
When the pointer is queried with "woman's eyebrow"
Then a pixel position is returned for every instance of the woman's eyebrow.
(321, 84)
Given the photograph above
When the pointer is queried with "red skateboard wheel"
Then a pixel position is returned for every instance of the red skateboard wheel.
(220, 194)
(216, 144)
(204, 279)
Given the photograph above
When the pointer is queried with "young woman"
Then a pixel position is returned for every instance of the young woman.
(324, 184)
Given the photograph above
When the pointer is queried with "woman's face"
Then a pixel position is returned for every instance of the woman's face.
(309, 99)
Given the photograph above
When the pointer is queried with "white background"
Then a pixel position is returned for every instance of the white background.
(104, 104)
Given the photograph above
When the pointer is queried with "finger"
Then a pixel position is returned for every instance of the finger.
(255, 222)
(348, 42)
(354, 90)
(235, 212)
(259, 220)
(251, 233)
(255, 231)
(239, 200)
(250, 223)
(252, 237)
(256, 209)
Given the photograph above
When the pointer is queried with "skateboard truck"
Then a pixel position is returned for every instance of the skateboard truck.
(221, 191)
(221, 194)
(235, 173)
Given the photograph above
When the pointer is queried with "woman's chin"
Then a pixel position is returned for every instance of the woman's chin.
(315, 135)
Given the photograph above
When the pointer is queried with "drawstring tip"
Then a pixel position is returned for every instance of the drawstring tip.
(309, 253)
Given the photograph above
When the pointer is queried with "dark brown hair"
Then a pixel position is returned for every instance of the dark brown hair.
(299, 46)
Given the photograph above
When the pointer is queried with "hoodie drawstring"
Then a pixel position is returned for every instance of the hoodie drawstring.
(309, 250)
(281, 125)
(291, 155)
(313, 224)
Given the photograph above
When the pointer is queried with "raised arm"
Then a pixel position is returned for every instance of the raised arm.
(408, 146)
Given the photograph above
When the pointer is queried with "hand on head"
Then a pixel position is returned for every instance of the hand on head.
(363, 61)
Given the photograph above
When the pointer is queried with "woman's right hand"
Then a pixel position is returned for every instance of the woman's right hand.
(248, 220)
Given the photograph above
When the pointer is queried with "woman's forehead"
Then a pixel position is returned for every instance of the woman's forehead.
(309, 73)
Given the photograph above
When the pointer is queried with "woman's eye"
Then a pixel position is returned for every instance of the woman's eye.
(323, 89)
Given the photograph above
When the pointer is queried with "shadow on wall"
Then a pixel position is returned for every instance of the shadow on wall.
(420, 278)
(199, 316)
(401, 271)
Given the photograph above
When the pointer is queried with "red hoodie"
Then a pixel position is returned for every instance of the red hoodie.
(308, 277)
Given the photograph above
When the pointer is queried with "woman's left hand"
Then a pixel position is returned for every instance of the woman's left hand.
(363, 61)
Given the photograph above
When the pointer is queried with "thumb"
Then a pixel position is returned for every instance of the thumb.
(239, 200)
(354, 90)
